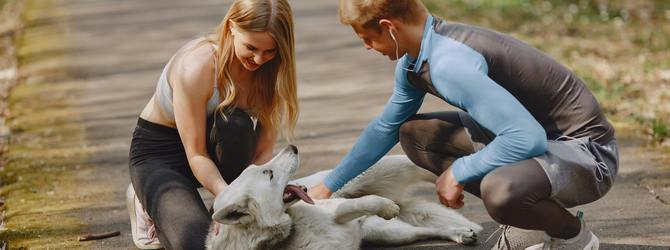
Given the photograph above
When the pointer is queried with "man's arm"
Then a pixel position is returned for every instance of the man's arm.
(380, 135)
(518, 135)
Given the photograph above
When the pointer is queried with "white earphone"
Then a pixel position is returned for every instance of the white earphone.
(392, 36)
(397, 54)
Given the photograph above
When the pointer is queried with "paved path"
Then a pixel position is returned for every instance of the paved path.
(117, 48)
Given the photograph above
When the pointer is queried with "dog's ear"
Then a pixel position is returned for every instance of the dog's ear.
(235, 213)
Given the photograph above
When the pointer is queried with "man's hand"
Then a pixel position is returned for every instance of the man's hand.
(449, 191)
(319, 192)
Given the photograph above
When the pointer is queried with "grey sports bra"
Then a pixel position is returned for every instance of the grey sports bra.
(164, 93)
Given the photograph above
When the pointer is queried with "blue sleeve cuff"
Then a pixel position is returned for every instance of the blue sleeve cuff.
(461, 173)
(330, 183)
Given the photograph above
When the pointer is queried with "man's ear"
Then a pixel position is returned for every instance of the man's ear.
(387, 25)
(235, 213)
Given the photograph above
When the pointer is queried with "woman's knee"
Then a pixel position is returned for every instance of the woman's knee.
(235, 124)
(235, 129)
(189, 240)
(232, 142)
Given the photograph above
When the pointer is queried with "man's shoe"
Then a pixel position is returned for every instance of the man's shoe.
(512, 238)
(141, 226)
(584, 240)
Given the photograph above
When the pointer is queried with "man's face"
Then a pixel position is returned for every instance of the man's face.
(379, 41)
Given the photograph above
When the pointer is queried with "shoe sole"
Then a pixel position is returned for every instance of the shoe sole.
(595, 243)
(130, 204)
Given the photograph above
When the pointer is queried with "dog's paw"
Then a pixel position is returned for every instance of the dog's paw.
(389, 211)
(467, 237)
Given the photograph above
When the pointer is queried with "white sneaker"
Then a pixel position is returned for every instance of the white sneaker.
(512, 238)
(141, 226)
(584, 240)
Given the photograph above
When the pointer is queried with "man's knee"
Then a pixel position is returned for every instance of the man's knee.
(408, 131)
(502, 197)
(412, 142)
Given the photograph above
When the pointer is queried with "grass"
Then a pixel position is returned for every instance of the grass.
(36, 177)
(619, 48)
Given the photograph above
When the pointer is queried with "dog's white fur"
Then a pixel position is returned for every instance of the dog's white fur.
(250, 213)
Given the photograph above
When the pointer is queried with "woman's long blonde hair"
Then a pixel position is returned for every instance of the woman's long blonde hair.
(273, 97)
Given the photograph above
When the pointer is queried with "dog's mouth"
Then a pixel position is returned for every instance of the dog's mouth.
(294, 192)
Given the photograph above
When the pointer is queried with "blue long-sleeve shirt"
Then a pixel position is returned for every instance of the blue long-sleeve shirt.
(457, 58)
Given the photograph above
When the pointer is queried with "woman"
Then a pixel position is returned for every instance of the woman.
(219, 105)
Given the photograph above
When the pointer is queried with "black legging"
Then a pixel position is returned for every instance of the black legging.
(167, 188)
(516, 194)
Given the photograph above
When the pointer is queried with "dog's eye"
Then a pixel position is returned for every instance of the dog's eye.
(268, 172)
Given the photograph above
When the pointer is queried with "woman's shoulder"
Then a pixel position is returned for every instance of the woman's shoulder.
(194, 63)
(196, 53)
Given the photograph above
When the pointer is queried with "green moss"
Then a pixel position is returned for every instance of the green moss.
(41, 198)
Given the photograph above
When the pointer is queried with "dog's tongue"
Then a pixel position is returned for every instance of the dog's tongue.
(293, 191)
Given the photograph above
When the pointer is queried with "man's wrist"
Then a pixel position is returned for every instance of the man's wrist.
(453, 180)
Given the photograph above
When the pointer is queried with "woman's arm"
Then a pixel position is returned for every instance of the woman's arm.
(192, 84)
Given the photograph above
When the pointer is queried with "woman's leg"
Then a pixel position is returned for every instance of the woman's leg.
(172, 201)
(164, 185)
(232, 142)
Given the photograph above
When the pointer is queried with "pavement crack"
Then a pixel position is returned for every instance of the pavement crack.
(656, 195)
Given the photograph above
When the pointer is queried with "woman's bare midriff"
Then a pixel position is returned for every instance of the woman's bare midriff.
(154, 113)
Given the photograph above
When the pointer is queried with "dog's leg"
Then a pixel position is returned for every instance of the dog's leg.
(396, 231)
(451, 224)
(392, 232)
(366, 205)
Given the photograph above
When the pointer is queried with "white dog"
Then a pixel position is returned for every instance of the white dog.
(260, 210)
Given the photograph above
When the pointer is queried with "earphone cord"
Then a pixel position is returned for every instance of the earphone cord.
(397, 53)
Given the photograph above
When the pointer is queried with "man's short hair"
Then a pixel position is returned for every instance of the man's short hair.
(367, 13)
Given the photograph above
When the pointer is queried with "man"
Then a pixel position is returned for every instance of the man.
(531, 142)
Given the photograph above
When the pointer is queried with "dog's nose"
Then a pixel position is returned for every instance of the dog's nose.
(293, 148)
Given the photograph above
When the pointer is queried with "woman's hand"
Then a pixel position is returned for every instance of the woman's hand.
(449, 191)
(319, 192)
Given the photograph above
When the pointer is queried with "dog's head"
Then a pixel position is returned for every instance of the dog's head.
(260, 195)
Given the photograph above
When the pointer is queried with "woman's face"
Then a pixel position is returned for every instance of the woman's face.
(253, 49)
